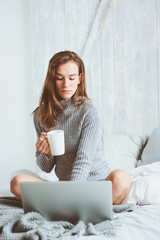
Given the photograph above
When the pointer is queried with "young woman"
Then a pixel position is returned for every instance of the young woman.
(64, 105)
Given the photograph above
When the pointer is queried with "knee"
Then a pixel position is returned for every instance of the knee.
(15, 183)
(120, 180)
(120, 185)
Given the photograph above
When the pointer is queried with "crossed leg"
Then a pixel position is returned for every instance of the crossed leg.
(120, 184)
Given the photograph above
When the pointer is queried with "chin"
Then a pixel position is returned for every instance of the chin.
(65, 96)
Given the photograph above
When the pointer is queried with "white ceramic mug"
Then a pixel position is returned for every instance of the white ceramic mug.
(56, 142)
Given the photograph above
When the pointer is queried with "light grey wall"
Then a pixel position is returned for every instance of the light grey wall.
(123, 64)
(17, 137)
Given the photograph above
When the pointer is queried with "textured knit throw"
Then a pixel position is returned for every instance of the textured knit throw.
(15, 225)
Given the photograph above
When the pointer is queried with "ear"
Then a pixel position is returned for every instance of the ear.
(80, 78)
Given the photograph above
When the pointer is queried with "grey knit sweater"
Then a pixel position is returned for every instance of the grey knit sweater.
(83, 159)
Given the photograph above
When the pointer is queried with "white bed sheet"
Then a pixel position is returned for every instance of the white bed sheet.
(141, 224)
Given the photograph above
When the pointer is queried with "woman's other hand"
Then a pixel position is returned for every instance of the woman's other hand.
(42, 144)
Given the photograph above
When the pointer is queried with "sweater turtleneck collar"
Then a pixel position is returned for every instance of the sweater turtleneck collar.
(65, 101)
(67, 104)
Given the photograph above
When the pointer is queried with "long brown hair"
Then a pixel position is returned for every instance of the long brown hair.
(49, 100)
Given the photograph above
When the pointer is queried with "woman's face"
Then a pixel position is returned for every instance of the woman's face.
(67, 79)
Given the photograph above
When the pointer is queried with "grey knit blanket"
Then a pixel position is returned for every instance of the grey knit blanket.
(15, 225)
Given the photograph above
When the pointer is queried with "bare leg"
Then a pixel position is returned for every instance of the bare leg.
(120, 185)
(15, 183)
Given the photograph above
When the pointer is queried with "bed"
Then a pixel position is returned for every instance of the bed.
(140, 222)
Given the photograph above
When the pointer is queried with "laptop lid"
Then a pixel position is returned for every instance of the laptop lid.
(69, 200)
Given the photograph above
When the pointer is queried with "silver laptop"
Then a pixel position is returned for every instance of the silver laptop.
(69, 200)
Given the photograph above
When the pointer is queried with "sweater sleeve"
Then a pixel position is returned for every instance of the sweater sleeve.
(45, 163)
(89, 140)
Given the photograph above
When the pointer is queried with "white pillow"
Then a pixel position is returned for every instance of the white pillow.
(151, 152)
(121, 151)
(145, 185)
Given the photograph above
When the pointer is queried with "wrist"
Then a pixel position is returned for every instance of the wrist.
(49, 155)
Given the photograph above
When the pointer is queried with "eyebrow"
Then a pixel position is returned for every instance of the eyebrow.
(74, 74)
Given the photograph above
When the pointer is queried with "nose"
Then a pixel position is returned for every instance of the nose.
(65, 82)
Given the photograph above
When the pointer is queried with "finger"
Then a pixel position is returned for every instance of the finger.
(48, 150)
(42, 140)
(45, 149)
(38, 143)
(42, 146)
(43, 134)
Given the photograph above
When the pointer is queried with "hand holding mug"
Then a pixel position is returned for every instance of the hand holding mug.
(51, 143)
(43, 145)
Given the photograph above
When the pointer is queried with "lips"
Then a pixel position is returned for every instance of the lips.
(66, 91)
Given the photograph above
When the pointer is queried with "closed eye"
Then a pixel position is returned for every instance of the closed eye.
(62, 79)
